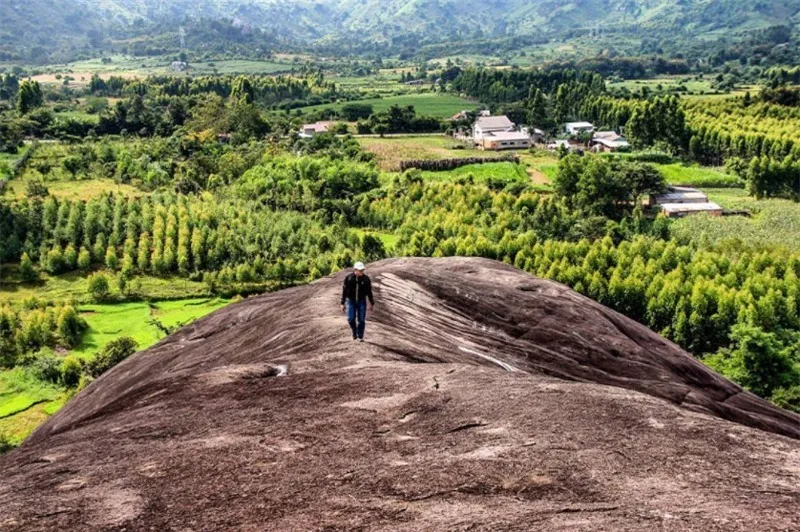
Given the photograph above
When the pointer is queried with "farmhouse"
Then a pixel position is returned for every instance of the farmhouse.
(608, 141)
(684, 201)
(489, 125)
(576, 128)
(498, 133)
(309, 130)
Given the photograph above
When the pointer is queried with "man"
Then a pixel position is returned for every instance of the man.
(357, 290)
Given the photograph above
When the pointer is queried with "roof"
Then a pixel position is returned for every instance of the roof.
(608, 135)
(317, 127)
(507, 135)
(579, 125)
(619, 142)
(690, 207)
(494, 122)
(681, 195)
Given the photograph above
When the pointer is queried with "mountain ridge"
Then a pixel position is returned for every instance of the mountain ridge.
(310, 22)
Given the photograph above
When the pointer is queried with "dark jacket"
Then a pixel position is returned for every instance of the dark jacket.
(357, 289)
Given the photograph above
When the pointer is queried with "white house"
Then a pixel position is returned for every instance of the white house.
(609, 141)
(576, 128)
(309, 130)
(499, 133)
(488, 125)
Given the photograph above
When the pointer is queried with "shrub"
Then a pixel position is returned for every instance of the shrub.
(98, 287)
(71, 370)
(112, 354)
(26, 269)
(47, 367)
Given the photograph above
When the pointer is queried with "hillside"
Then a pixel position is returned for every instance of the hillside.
(84, 25)
(484, 398)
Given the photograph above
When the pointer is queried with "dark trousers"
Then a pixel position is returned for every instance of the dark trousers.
(357, 317)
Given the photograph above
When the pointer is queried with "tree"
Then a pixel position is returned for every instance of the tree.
(112, 354)
(758, 361)
(84, 260)
(98, 287)
(111, 259)
(26, 269)
(29, 96)
(70, 326)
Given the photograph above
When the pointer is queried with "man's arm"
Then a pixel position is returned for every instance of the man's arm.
(369, 291)
(344, 290)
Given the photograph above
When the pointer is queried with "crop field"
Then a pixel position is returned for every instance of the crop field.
(76, 189)
(774, 222)
(392, 150)
(425, 103)
(698, 176)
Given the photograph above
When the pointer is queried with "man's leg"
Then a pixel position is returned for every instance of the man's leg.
(362, 318)
(351, 317)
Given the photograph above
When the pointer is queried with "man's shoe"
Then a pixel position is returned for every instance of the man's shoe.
(355, 338)
(360, 339)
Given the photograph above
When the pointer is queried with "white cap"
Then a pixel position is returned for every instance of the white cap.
(359, 266)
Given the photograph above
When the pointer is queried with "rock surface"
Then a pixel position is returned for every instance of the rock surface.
(484, 399)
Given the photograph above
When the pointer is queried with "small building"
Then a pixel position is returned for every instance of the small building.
(416, 82)
(679, 210)
(318, 128)
(609, 141)
(576, 128)
(506, 140)
(461, 115)
(678, 202)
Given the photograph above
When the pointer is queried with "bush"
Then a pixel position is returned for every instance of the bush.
(26, 269)
(71, 370)
(98, 287)
(47, 367)
(112, 354)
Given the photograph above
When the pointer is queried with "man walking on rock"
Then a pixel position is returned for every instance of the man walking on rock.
(357, 290)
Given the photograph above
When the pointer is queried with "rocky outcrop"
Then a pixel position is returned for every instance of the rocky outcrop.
(483, 399)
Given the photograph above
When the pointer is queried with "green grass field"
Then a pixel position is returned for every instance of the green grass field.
(26, 401)
(505, 171)
(425, 103)
(698, 176)
(107, 322)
